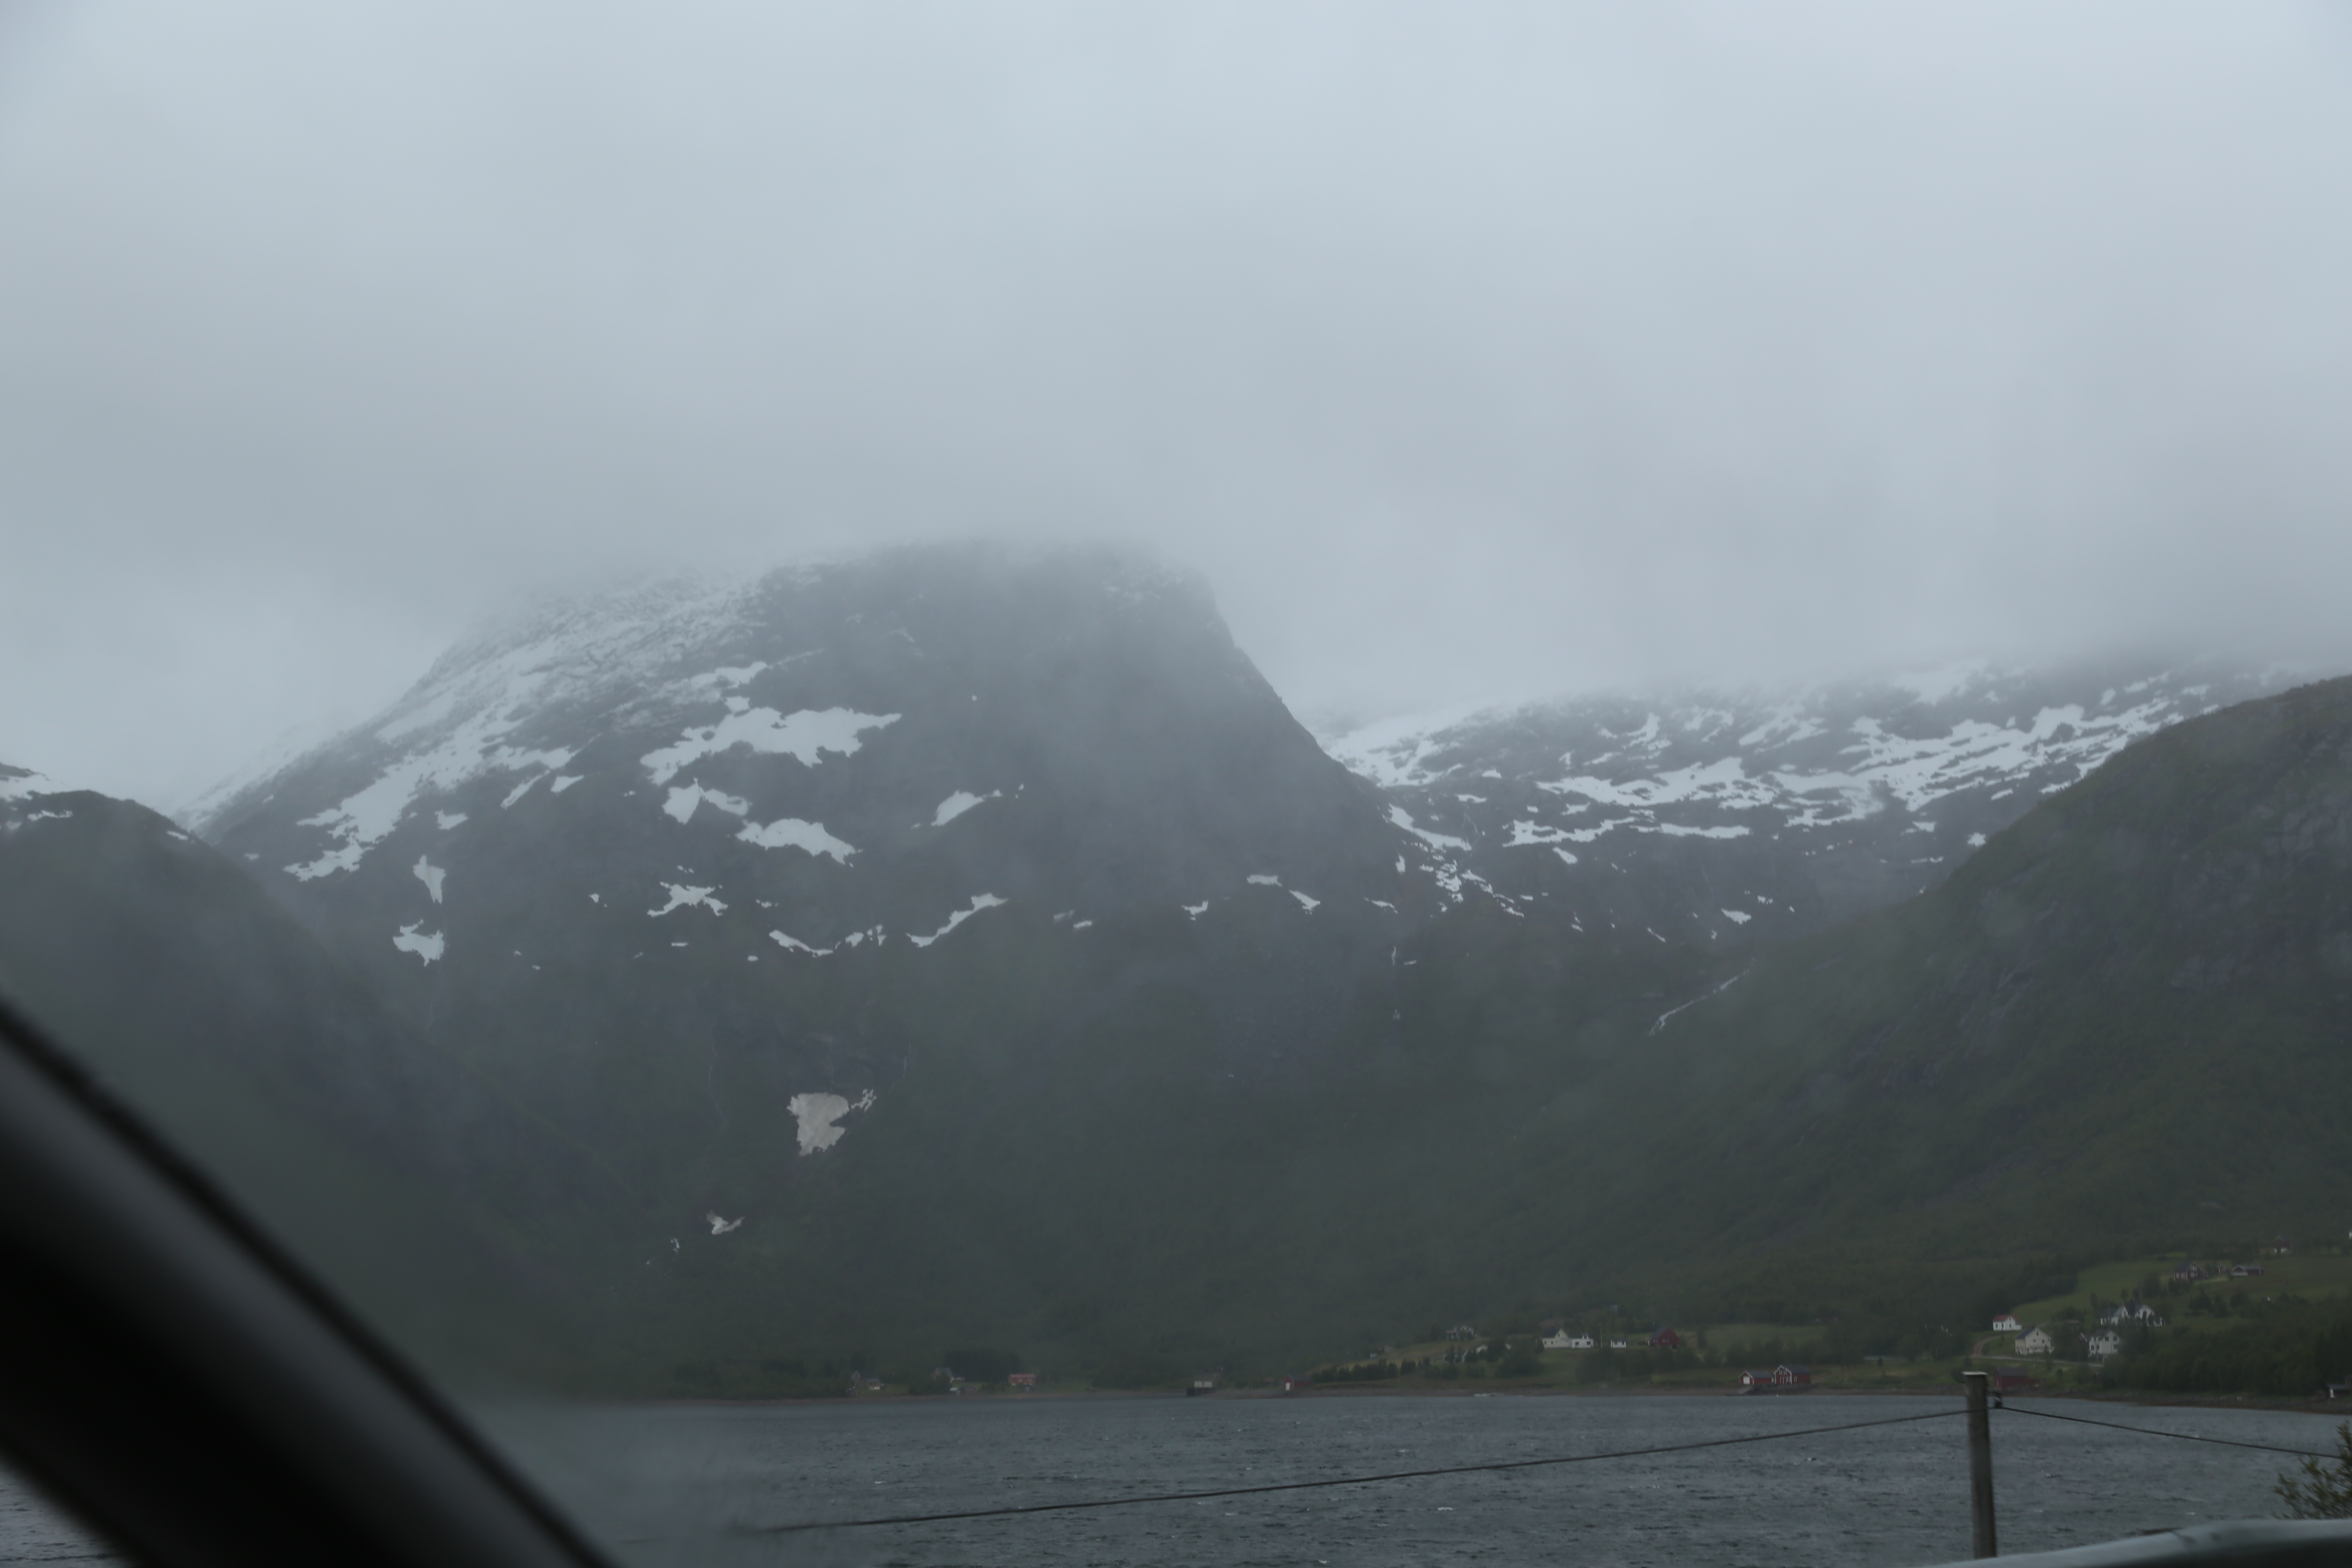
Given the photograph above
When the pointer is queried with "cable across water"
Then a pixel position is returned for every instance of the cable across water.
(2156, 1432)
(1335, 1480)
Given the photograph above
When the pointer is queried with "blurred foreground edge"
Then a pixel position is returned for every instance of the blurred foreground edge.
(2239, 1543)
(168, 1373)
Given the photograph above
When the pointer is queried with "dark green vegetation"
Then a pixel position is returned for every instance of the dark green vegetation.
(2280, 1347)
(446, 1212)
(2125, 1017)
(2322, 1491)
(1259, 1137)
(2121, 1023)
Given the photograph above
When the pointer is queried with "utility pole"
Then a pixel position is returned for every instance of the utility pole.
(1981, 1462)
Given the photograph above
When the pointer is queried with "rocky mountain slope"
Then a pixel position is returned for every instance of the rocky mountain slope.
(964, 946)
(2122, 1022)
(748, 887)
(1725, 817)
(428, 1198)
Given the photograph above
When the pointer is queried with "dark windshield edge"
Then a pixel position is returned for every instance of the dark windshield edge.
(189, 1388)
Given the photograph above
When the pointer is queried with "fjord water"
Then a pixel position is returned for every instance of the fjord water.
(684, 1484)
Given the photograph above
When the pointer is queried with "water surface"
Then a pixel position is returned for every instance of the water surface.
(690, 1484)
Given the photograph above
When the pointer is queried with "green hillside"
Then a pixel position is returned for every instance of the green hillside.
(2121, 1024)
(2120, 1029)
(2124, 1020)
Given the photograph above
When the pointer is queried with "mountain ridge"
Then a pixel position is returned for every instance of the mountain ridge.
(948, 944)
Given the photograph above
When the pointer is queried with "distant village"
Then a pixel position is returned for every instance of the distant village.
(2105, 1338)
(2083, 1333)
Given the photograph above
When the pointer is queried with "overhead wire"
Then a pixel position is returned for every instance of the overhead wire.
(2159, 1432)
(807, 1525)
(1333, 1480)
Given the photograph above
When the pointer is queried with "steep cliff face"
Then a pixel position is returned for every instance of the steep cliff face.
(763, 891)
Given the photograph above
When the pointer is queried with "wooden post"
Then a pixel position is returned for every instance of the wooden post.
(1981, 1462)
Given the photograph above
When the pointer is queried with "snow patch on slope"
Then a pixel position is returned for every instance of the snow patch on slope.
(1441, 841)
(365, 818)
(978, 902)
(688, 898)
(956, 804)
(791, 832)
(684, 798)
(819, 1116)
(426, 945)
(804, 736)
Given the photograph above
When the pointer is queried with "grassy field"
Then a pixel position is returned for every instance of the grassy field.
(2307, 1273)
(1794, 1338)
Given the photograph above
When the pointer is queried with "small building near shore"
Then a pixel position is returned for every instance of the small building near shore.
(1776, 1377)
(2007, 1323)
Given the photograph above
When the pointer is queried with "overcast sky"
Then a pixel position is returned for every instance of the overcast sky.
(1468, 349)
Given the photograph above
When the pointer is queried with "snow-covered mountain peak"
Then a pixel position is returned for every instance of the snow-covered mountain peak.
(1890, 781)
(827, 758)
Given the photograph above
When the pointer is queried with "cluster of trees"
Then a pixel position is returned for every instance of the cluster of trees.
(1370, 1371)
(978, 1365)
(827, 1377)
(770, 1377)
(2285, 1347)
(1634, 1363)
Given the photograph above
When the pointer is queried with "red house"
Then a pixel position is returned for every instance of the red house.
(1778, 1377)
(1665, 1340)
(1296, 1382)
(1023, 1380)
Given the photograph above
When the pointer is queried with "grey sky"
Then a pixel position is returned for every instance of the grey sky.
(1469, 349)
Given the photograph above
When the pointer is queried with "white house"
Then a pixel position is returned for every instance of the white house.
(1557, 1339)
(1579, 1341)
(2104, 1343)
(2132, 1312)
(1616, 1344)
(2007, 1323)
(2035, 1342)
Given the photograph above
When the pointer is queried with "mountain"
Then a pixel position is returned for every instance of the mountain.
(2122, 1022)
(1723, 818)
(965, 945)
(794, 900)
(170, 976)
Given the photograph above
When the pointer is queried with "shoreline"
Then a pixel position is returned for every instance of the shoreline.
(2151, 1399)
